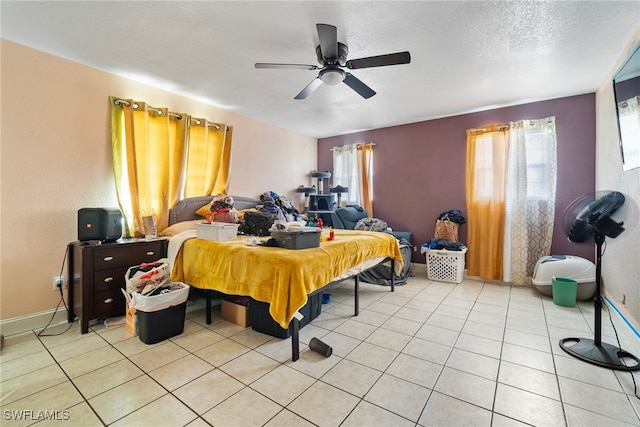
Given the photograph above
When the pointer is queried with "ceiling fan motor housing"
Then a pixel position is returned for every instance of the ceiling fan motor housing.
(341, 60)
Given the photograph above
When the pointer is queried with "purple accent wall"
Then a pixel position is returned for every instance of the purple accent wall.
(420, 167)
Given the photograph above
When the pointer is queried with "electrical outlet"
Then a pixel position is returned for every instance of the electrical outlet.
(58, 282)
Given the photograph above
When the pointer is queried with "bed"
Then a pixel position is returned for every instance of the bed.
(281, 277)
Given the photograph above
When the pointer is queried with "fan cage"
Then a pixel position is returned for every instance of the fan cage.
(444, 265)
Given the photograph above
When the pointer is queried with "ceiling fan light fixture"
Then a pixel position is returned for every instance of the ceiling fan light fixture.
(332, 77)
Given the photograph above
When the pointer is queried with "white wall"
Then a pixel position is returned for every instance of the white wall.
(56, 159)
(621, 260)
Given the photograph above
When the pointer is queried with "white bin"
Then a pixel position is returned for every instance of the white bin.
(219, 231)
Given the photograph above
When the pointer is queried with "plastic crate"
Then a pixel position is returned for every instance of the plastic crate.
(444, 265)
(218, 231)
(305, 237)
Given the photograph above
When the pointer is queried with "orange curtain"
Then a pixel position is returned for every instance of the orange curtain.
(365, 178)
(485, 197)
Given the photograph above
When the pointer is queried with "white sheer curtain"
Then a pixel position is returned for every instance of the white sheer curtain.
(530, 197)
(345, 173)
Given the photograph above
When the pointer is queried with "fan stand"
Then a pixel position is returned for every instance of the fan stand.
(594, 351)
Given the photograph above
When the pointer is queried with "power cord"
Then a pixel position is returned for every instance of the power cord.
(60, 288)
(615, 331)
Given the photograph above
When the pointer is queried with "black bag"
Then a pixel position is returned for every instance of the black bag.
(257, 223)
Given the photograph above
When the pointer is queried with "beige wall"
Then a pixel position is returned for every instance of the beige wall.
(621, 260)
(55, 159)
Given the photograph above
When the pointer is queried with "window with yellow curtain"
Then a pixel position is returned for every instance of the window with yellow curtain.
(485, 197)
(160, 156)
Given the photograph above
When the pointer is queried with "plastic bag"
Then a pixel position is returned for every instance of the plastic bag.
(171, 294)
(146, 277)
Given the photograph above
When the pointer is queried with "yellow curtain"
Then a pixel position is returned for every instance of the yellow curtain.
(208, 160)
(148, 152)
(222, 180)
(160, 156)
(485, 198)
(365, 178)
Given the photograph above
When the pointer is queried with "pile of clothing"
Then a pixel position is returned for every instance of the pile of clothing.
(446, 233)
(280, 206)
(221, 210)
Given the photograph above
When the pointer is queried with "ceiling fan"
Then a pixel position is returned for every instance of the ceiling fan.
(332, 57)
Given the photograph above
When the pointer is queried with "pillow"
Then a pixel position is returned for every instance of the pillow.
(204, 211)
(178, 228)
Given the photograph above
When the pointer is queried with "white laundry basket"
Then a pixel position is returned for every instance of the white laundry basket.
(444, 265)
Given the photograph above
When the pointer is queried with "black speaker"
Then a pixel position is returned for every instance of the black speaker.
(102, 224)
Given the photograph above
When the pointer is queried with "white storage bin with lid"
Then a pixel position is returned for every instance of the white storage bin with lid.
(572, 267)
(216, 231)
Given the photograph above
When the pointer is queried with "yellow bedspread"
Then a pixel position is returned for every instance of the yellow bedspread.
(281, 277)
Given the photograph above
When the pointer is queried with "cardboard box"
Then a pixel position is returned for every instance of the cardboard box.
(130, 320)
(235, 313)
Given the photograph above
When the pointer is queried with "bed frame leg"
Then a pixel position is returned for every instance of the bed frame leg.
(357, 295)
(207, 297)
(393, 274)
(295, 339)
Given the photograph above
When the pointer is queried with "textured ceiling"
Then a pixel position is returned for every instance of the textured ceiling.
(465, 55)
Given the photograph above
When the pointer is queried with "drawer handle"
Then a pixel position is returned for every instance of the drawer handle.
(108, 258)
(150, 253)
(108, 301)
(108, 280)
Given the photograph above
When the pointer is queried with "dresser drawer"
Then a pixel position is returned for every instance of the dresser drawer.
(109, 303)
(126, 255)
(105, 280)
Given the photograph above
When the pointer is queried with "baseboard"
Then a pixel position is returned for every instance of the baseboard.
(419, 268)
(22, 324)
(37, 321)
(625, 325)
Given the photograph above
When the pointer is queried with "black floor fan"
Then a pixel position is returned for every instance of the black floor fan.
(585, 217)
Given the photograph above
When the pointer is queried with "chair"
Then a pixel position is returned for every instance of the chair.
(347, 217)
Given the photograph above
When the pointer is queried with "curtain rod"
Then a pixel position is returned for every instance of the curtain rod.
(507, 126)
(498, 127)
(126, 103)
(359, 144)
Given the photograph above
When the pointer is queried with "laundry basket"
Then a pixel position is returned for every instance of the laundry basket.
(444, 265)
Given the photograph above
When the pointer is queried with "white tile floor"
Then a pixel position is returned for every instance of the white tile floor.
(428, 354)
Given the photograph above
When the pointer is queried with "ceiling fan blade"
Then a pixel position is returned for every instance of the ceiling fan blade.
(309, 89)
(356, 84)
(287, 66)
(328, 35)
(380, 60)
